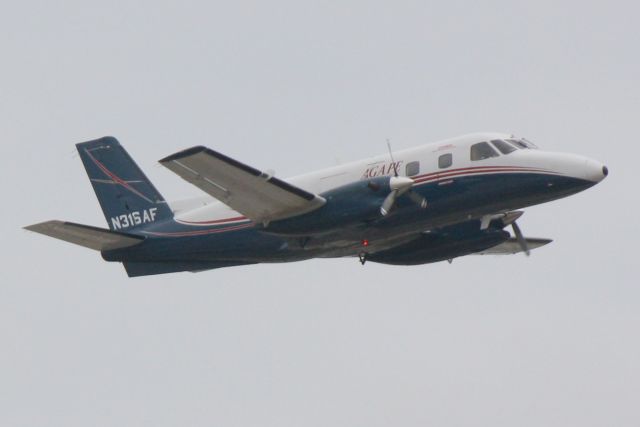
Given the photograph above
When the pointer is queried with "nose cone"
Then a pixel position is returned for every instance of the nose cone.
(578, 167)
(595, 171)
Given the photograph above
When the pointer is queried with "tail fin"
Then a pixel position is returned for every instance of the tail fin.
(127, 197)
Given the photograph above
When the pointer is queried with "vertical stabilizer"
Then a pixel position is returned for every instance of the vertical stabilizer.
(127, 197)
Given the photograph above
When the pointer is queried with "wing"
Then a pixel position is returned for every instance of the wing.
(258, 196)
(90, 237)
(512, 246)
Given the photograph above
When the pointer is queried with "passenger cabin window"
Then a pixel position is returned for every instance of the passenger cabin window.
(445, 160)
(503, 146)
(413, 168)
(482, 150)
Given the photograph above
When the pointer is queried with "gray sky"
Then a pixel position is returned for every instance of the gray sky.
(551, 340)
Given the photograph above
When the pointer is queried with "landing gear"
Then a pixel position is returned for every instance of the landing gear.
(363, 257)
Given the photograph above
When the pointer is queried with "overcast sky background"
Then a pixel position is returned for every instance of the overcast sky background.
(550, 340)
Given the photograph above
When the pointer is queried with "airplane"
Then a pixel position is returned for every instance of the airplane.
(417, 206)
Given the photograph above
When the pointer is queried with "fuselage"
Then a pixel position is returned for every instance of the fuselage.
(461, 180)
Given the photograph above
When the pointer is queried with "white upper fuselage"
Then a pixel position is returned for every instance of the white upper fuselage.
(424, 164)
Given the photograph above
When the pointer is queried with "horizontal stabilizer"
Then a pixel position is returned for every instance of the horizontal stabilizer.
(99, 239)
(259, 196)
(512, 246)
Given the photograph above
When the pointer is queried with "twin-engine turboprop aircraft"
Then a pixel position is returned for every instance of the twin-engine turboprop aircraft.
(431, 203)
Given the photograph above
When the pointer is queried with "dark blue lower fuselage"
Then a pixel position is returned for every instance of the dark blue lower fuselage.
(349, 219)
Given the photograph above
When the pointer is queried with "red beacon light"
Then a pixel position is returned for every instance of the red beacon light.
(365, 243)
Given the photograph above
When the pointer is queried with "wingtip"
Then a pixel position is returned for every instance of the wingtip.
(184, 153)
(541, 241)
(43, 227)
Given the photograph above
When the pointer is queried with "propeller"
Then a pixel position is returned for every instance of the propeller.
(520, 237)
(399, 185)
(393, 162)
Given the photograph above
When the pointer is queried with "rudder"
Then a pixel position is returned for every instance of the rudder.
(127, 198)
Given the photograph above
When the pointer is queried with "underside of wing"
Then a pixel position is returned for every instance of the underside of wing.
(90, 237)
(512, 246)
(257, 195)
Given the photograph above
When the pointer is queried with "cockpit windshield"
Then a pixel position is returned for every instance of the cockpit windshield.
(503, 146)
(523, 144)
(482, 150)
(485, 150)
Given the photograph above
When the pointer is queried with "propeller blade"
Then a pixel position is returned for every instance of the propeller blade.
(388, 203)
(393, 162)
(520, 237)
(418, 199)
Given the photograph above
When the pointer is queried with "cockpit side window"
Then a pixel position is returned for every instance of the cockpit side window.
(482, 150)
(503, 146)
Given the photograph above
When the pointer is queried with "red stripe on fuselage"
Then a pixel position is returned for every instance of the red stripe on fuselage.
(425, 179)
(479, 169)
(460, 173)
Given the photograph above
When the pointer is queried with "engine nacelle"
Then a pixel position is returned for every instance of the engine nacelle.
(434, 247)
